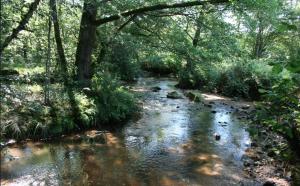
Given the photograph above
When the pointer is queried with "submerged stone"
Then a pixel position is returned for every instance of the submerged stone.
(208, 105)
(155, 89)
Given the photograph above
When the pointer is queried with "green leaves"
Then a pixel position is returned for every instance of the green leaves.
(277, 68)
(294, 66)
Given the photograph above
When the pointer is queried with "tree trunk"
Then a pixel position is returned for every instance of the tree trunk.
(86, 40)
(25, 53)
(63, 66)
(197, 35)
(189, 65)
(47, 78)
(259, 46)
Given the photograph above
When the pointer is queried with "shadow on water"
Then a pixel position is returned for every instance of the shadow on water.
(171, 144)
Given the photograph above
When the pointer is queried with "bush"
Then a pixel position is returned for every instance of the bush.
(113, 102)
(192, 79)
(244, 78)
(87, 109)
(281, 109)
(231, 78)
(162, 65)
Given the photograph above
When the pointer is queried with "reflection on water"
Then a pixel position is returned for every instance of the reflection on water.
(172, 144)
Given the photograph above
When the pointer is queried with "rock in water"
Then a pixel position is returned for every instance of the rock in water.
(217, 136)
(155, 89)
(208, 105)
(269, 183)
(174, 95)
(193, 97)
(100, 138)
(247, 163)
(245, 107)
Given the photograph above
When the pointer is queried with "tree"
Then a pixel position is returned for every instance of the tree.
(89, 24)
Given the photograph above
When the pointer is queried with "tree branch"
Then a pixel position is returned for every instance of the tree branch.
(33, 6)
(126, 23)
(155, 8)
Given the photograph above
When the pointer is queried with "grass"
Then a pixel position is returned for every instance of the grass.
(25, 69)
(24, 114)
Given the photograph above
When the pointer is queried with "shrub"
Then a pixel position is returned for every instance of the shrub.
(193, 78)
(281, 109)
(244, 78)
(87, 109)
(113, 102)
(231, 78)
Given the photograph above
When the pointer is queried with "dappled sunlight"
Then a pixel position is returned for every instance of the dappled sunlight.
(210, 169)
(213, 97)
(16, 152)
(166, 181)
(112, 140)
(187, 146)
(207, 164)
(139, 89)
(176, 150)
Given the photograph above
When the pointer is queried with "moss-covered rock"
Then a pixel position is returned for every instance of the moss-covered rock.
(194, 96)
(174, 95)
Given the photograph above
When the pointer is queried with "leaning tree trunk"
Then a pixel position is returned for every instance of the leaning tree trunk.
(86, 40)
(63, 65)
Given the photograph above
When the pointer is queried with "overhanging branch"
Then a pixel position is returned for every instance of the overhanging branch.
(155, 8)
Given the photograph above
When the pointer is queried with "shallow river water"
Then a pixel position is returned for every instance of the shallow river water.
(172, 143)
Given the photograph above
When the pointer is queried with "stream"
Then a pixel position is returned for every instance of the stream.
(172, 143)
